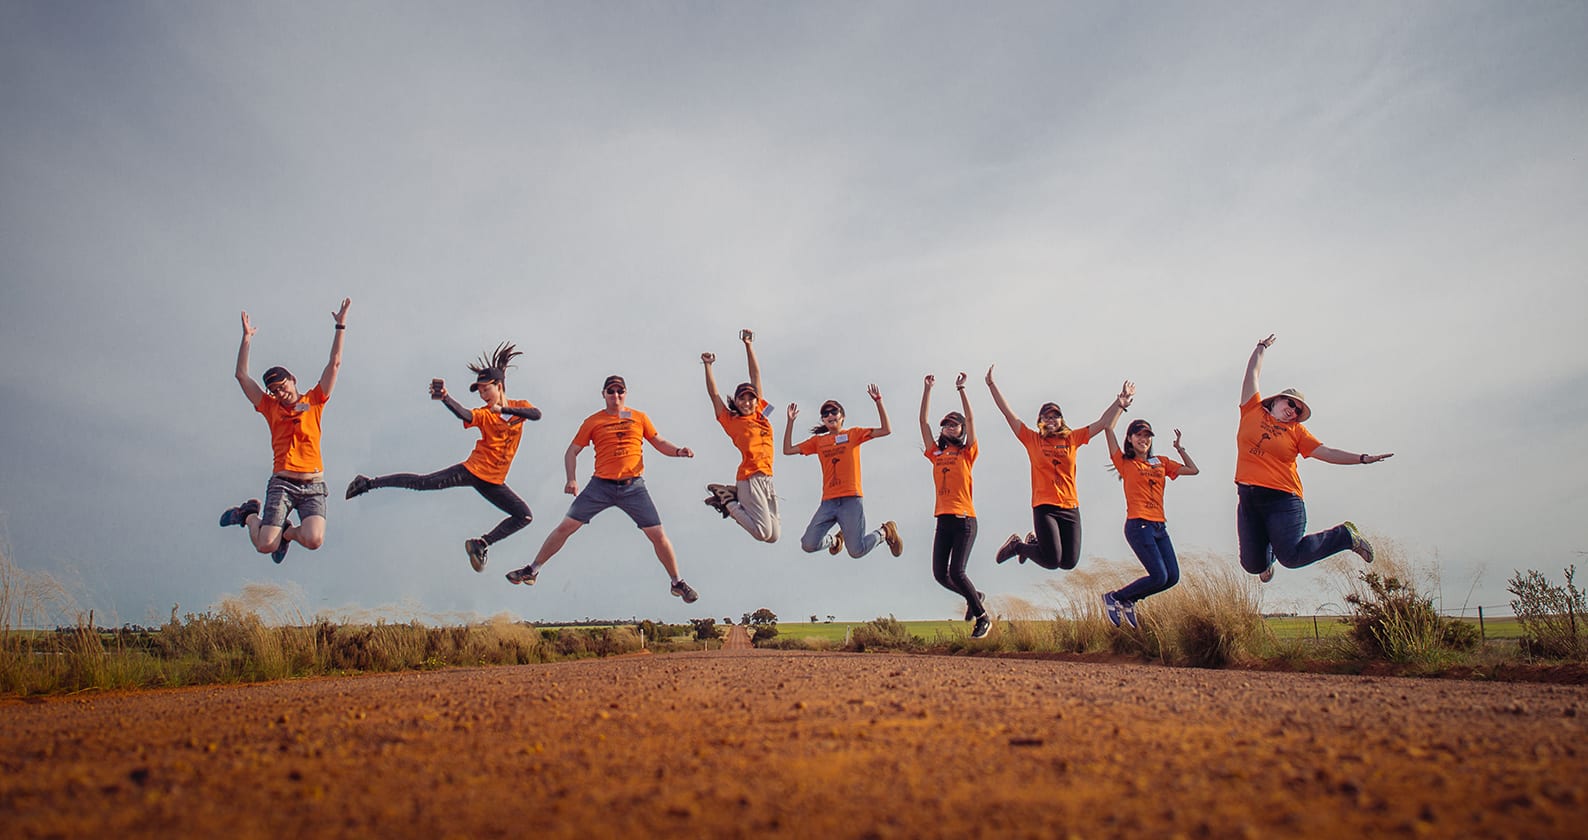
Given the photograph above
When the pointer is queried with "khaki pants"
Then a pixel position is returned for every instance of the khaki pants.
(756, 509)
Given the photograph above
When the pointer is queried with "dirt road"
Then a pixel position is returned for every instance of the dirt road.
(740, 744)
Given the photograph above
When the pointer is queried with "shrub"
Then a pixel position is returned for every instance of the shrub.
(1548, 614)
(882, 634)
(1390, 620)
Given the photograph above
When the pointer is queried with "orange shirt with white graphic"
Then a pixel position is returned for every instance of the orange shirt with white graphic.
(951, 475)
(498, 443)
(1053, 465)
(295, 431)
(752, 434)
(618, 440)
(1144, 483)
(840, 455)
(1266, 449)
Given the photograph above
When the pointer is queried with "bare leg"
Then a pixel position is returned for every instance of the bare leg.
(310, 533)
(555, 540)
(664, 549)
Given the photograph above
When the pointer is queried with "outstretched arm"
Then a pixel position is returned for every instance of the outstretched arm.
(706, 360)
(1330, 455)
(964, 405)
(452, 405)
(788, 431)
(926, 405)
(1254, 368)
(251, 389)
(1127, 393)
(670, 449)
(755, 368)
(531, 413)
(328, 377)
(876, 396)
(1190, 467)
(998, 399)
(1113, 439)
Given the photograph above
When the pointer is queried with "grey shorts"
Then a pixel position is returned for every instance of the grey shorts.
(628, 495)
(287, 494)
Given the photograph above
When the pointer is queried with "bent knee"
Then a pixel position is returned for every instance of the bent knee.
(311, 541)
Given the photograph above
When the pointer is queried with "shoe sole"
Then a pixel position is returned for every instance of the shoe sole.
(890, 535)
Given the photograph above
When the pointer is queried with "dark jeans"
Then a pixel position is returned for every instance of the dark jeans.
(950, 552)
(457, 475)
(1058, 533)
(1271, 524)
(1150, 541)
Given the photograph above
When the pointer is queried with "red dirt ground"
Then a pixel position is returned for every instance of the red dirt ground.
(746, 743)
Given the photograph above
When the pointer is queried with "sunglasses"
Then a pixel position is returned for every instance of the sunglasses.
(829, 411)
(615, 390)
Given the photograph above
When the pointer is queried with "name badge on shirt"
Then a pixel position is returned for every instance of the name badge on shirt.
(625, 414)
(302, 406)
(841, 438)
(1153, 461)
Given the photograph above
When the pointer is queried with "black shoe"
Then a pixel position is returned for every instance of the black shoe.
(980, 596)
(982, 628)
(685, 591)
(726, 492)
(1010, 548)
(239, 515)
(358, 486)
(525, 575)
(280, 553)
(476, 550)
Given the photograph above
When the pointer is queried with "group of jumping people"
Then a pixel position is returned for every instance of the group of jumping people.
(1271, 517)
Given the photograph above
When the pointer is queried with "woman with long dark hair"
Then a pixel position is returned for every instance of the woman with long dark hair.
(751, 500)
(1144, 476)
(953, 453)
(1055, 541)
(501, 424)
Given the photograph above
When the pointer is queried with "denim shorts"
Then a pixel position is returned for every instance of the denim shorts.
(628, 495)
(286, 494)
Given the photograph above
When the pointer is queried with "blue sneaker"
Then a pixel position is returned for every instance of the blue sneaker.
(1113, 608)
(239, 515)
(1129, 609)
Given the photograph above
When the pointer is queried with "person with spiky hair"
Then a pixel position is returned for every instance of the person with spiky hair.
(501, 424)
(297, 481)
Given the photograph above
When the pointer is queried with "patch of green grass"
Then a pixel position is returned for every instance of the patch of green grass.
(837, 631)
(1331, 626)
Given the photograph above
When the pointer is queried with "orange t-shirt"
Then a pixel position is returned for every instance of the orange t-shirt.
(951, 474)
(498, 443)
(1144, 482)
(295, 432)
(752, 434)
(1266, 449)
(618, 440)
(1053, 465)
(840, 454)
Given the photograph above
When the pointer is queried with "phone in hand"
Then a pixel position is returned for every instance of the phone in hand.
(437, 388)
(745, 335)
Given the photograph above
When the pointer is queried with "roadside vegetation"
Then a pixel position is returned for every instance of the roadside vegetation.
(1212, 619)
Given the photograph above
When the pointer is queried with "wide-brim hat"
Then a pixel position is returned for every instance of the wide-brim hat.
(490, 374)
(1294, 396)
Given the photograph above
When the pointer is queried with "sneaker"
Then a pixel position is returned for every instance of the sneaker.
(1113, 608)
(239, 515)
(725, 492)
(838, 543)
(358, 486)
(890, 535)
(716, 504)
(1010, 548)
(1359, 544)
(980, 596)
(1129, 609)
(982, 628)
(476, 549)
(685, 591)
(525, 575)
(280, 553)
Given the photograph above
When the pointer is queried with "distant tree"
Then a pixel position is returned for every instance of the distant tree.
(763, 624)
(705, 628)
(727, 620)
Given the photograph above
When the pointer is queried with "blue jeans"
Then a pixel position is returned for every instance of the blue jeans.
(850, 516)
(1271, 524)
(1150, 541)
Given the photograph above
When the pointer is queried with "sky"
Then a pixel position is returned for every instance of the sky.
(1077, 193)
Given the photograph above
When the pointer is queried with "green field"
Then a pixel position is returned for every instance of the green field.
(1289, 627)
(837, 631)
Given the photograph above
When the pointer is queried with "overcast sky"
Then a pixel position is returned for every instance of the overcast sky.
(1079, 193)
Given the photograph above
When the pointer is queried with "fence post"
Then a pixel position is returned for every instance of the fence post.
(1315, 636)
(1483, 635)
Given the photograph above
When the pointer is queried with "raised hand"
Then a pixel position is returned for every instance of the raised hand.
(959, 381)
(875, 392)
(248, 326)
(746, 336)
(1127, 394)
(1267, 342)
(989, 374)
(793, 412)
(341, 314)
(708, 358)
(930, 380)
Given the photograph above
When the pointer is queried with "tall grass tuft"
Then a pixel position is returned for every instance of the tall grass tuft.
(882, 634)
(1210, 619)
(1391, 620)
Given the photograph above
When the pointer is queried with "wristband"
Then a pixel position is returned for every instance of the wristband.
(341, 326)
(1362, 459)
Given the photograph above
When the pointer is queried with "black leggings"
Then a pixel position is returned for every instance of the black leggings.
(950, 551)
(457, 475)
(1058, 537)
